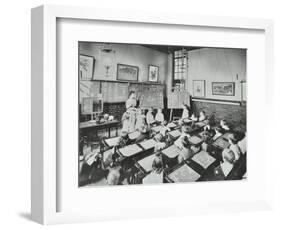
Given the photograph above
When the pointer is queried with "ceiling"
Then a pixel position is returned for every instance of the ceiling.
(169, 49)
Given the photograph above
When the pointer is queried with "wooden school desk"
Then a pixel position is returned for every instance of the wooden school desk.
(182, 173)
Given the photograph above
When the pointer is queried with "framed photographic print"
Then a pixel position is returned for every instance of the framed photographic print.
(199, 88)
(77, 165)
(127, 72)
(223, 88)
(86, 67)
(153, 73)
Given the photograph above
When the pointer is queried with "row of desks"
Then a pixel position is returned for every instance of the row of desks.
(191, 170)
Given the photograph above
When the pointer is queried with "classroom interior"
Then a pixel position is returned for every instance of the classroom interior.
(153, 114)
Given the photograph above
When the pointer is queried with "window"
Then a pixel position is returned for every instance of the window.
(180, 58)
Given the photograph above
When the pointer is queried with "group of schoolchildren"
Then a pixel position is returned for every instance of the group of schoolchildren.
(135, 120)
(230, 155)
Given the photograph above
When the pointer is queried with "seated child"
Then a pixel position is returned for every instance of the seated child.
(224, 125)
(234, 146)
(157, 164)
(143, 133)
(185, 112)
(184, 133)
(226, 166)
(159, 117)
(140, 119)
(205, 146)
(186, 152)
(124, 139)
(193, 117)
(150, 117)
(114, 174)
(218, 132)
(164, 128)
(207, 127)
(202, 116)
(243, 144)
(126, 121)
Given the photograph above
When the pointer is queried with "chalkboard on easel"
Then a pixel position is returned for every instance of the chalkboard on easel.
(92, 105)
(177, 98)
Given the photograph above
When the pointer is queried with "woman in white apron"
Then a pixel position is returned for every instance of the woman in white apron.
(131, 111)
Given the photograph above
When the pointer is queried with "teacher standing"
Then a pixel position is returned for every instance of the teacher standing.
(131, 110)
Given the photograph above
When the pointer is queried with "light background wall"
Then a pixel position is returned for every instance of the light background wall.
(135, 55)
(217, 65)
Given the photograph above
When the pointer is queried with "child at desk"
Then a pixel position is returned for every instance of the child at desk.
(186, 152)
(202, 116)
(156, 175)
(144, 134)
(205, 146)
(243, 144)
(159, 117)
(185, 112)
(193, 117)
(124, 139)
(126, 121)
(184, 133)
(218, 132)
(150, 117)
(114, 173)
(222, 171)
(140, 119)
(224, 125)
(234, 146)
(157, 164)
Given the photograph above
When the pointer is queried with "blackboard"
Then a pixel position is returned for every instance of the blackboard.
(152, 96)
(137, 88)
(114, 91)
(89, 89)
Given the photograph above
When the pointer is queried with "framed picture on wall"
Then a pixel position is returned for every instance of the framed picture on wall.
(199, 88)
(223, 88)
(86, 67)
(127, 72)
(153, 73)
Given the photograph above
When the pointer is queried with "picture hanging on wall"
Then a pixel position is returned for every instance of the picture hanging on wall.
(199, 88)
(127, 72)
(86, 67)
(223, 88)
(153, 73)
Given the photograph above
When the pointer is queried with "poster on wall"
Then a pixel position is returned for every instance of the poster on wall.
(127, 72)
(223, 88)
(86, 67)
(198, 88)
(153, 73)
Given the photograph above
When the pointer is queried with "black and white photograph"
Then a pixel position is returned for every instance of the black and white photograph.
(155, 114)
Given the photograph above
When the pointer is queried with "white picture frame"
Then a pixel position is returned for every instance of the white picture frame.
(153, 73)
(47, 179)
(199, 88)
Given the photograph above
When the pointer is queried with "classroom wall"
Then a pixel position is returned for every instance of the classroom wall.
(135, 55)
(217, 65)
(235, 115)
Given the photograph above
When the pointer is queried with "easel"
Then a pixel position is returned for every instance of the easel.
(176, 101)
(88, 107)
